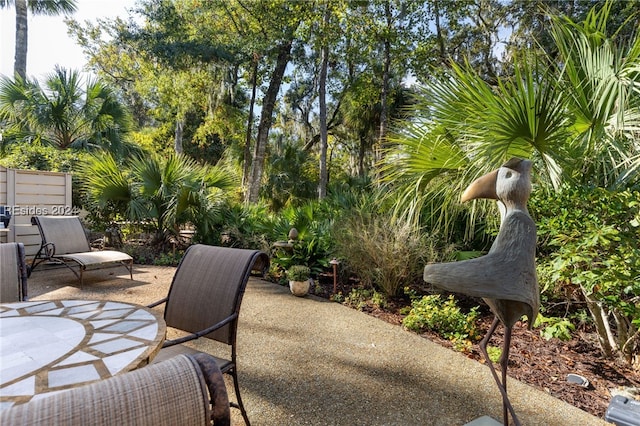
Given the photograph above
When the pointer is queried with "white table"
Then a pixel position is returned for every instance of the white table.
(47, 346)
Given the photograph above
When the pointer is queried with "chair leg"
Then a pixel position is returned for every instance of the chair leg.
(239, 404)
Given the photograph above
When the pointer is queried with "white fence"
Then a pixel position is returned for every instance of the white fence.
(29, 193)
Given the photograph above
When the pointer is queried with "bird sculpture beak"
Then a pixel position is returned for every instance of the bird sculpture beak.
(483, 187)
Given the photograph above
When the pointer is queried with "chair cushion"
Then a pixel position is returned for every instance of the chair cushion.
(97, 257)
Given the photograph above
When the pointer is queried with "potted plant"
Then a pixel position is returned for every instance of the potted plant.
(299, 282)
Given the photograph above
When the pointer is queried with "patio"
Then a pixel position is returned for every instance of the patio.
(307, 361)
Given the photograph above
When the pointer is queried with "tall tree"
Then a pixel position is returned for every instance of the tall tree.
(266, 119)
(285, 18)
(36, 7)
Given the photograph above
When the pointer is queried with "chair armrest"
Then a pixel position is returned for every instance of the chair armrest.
(159, 302)
(49, 250)
(220, 414)
(198, 334)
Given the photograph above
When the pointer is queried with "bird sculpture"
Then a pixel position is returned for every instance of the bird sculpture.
(506, 276)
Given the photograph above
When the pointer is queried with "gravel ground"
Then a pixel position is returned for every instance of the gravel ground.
(307, 361)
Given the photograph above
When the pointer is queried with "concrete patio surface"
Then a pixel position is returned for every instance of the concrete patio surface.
(308, 361)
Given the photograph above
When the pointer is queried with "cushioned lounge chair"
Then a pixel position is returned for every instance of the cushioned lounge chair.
(64, 242)
(204, 301)
(185, 390)
(13, 273)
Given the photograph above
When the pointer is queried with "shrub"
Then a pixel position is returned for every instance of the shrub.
(361, 298)
(385, 254)
(589, 242)
(560, 328)
(298, 273)
(38, 157)
(312, 221)
(443, 317)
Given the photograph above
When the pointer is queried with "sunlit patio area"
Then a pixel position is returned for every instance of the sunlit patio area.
(307, 361)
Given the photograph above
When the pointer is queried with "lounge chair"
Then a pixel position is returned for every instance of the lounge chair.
(185, 390)
(64, 242)
(13, 273)
(204, 300)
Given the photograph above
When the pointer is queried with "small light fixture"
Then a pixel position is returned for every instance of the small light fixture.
(335, 262)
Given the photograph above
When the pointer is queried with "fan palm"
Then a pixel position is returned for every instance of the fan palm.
(571, 120)
(169, 192)
(63, 114)
(602, 81)
(465, 128)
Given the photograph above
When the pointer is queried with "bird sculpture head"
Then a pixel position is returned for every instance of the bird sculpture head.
(510, 184)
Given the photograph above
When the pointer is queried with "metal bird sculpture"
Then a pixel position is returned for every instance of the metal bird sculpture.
(505, 277)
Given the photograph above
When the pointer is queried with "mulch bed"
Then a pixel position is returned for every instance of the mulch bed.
(543, 364)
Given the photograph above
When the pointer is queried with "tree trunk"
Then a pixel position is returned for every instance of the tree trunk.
(362, 149)
(20, 58)
(439, 35)
(177, 142)
(247, 145)
(385, 84)
(605, 338)
(322, 92)
(266, 118)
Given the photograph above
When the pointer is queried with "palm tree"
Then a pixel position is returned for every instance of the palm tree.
(169, 192)
(600, 77)
(64, 114)
(575, 120)
(36, 7)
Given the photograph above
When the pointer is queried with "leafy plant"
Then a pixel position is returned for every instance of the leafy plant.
(298, 273)
(442, 316)
(494, 353)
(385, 254)
(65, 113)
(166, 192)
(590, 244)
(312, 246)
(361, 298)
(560, 328)
(169, 259)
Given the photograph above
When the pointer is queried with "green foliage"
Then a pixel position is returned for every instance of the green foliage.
(298, 273)
(554, 327)
(290, 178)
(590, 242)
(362, 298)
(33, 156)
(66, 113)
(385, 254)
(573, 112)
(166, 192)
(242, 226)
(494, 353)
(169, 259)
(443, 317)
(38, 157)
(312, 247)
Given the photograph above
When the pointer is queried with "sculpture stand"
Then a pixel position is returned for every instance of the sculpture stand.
(484, 421)
(504, 362)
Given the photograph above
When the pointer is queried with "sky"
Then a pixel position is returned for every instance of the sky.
(49, 44)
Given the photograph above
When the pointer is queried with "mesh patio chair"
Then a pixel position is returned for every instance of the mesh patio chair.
(185, 390)
(13, 273)
(204, 300)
